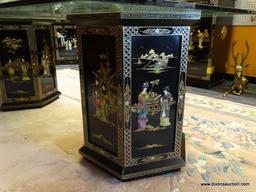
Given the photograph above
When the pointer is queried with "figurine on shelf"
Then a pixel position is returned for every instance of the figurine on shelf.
(45, 60)
(165, 102)
(75, 43)
(10, 68)
(61, 38)
(200, 37)
(24, 69)
(240, 82)
(206, 34)
(142, 107)
(66, 45)
(69, 45)
(47, 65)
(34, 66)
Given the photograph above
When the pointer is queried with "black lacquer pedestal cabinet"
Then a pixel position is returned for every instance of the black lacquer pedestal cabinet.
(133, 74)
(27, 66)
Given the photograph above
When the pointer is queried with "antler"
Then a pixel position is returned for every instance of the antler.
(244, 56)
(234, 55)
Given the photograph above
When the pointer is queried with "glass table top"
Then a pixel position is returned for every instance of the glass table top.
(59, 10)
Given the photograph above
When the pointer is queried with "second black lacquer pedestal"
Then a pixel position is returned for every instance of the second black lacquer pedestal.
(27, 65)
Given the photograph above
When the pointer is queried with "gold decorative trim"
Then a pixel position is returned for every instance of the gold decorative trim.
(20, 92)
(137, 174)
(151, 128)
(151, 146)
(102, 138)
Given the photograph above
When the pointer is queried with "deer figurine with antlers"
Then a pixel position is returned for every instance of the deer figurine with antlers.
(240, 82)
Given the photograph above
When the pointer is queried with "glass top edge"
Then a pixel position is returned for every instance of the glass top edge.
(160, 9)
(170, 3)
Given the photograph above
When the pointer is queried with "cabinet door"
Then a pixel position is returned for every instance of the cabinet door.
(46, 67)
(15, 62)
(155, 67)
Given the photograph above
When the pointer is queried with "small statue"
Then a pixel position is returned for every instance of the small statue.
(10, 68)
(206, 33)
(45, 60)
(66, 45)
(75, 43)
(34, 66)
(165, 101)
(142, 107)
(62, 38)
(69, 45)
(240, 83)
(47, 65)
(200, 37)
(24, 69)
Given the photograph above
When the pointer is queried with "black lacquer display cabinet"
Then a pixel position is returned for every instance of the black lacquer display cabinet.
(201, 61)
(133, 74)
(27, 63)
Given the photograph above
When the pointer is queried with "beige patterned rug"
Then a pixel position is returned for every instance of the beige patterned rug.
(220, 144)
(39, 148)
